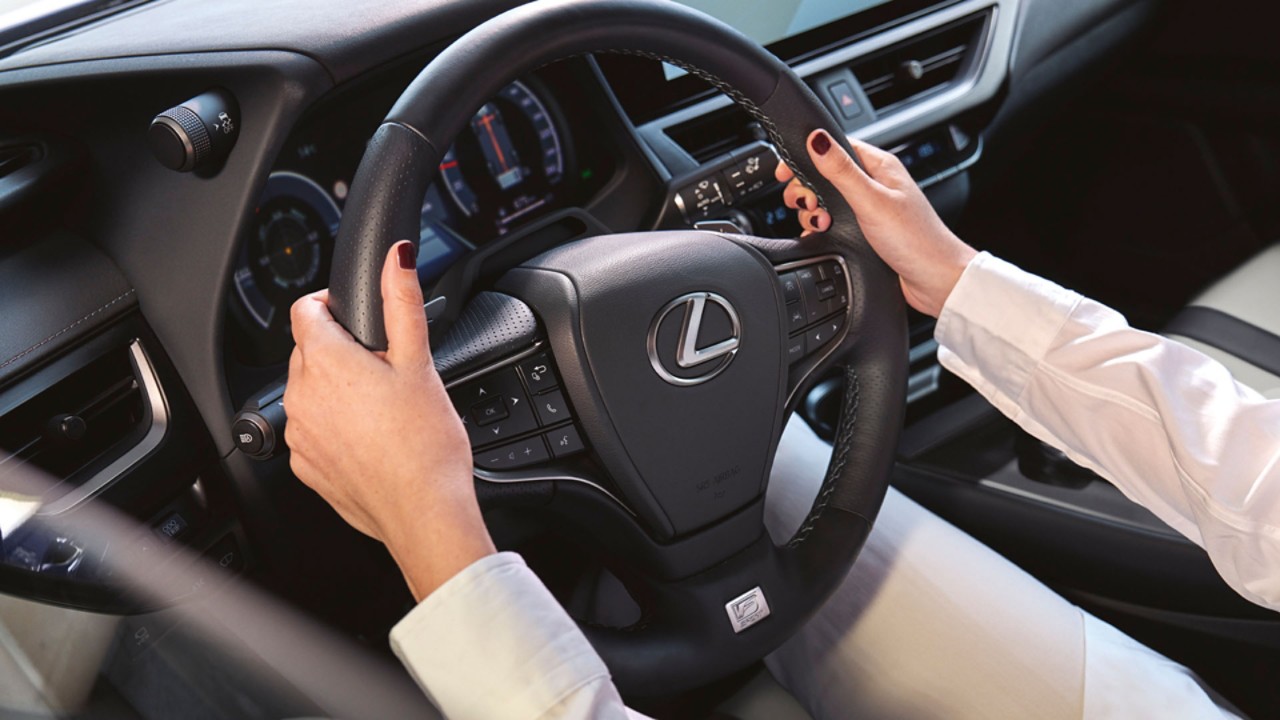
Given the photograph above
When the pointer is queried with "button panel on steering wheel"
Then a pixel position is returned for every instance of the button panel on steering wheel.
(816, 293)
(516, 415)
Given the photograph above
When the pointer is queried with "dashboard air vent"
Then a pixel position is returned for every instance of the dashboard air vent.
(920, 65)
(710, 136)
(81, 431)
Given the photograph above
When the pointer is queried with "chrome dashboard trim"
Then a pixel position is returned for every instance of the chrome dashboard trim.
(980, 84)
(157, 407)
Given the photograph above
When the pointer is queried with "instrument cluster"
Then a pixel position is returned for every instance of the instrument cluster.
(515, 162)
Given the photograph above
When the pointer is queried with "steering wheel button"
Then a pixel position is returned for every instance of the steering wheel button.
(824, 333)
(790, 287)
(539, 373)
(552, 407)
(490, 412)
(796, 317)
(795, 349)
(565, 441)
(513, 455)
(808, 277)
(826, 289)
(832, 271)
(818, 337)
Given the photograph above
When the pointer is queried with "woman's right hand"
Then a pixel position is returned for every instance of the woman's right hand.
(897, 219)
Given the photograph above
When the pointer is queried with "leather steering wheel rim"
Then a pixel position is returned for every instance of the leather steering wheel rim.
(681, 645)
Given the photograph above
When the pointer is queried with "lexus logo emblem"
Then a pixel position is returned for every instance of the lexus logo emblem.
(674, 349)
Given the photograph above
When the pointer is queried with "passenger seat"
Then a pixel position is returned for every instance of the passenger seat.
(1237, 322)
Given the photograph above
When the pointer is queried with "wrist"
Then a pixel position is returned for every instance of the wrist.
(931, 295)
(439, 541)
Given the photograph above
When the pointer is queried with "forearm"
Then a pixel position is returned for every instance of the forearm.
(1169, 426)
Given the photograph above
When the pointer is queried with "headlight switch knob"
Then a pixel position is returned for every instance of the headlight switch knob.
(198, 134)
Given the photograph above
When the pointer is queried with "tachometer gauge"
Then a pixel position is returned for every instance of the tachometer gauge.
(504, 168)
(289, 247)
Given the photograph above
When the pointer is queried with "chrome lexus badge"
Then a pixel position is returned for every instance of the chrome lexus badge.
(674, 349)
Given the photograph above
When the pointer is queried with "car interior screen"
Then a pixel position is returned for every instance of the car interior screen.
(768, 21)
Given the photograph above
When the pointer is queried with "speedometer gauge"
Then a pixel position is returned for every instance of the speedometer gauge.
(505, 166)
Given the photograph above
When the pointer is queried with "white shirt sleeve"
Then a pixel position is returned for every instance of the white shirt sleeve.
(492, 642)
(1167, 424)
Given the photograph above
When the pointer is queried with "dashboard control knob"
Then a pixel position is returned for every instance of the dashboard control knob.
(197, 134)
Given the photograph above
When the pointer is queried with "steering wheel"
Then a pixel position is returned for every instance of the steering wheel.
(682, 352)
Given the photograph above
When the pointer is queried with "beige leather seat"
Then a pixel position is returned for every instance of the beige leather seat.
(1237, 322)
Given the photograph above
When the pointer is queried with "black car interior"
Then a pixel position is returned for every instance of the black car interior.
(174, 174)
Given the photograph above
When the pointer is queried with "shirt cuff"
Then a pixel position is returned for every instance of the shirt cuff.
(999, 322)
(493, 642)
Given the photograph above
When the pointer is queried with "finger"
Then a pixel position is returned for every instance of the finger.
(311, 321)
(874, 160)
(815, 220)
(799, 197)
(839, 168)
(402, 306)
(783, 172)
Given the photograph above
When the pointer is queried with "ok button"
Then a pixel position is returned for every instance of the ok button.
(490, 412)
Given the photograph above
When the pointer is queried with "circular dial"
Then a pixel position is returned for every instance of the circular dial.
(504, 168)
(288, 245)
(288, 249)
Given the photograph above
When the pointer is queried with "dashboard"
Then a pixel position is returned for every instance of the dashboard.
(521, 158)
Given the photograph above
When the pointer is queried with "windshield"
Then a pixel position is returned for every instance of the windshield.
(26, 19)
(768, 21)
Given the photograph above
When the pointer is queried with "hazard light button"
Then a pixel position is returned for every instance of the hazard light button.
(845, 99)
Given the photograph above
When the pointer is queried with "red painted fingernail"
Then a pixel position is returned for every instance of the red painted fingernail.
(803, 202)
(408, 253)
(821, 142)
(813, 221)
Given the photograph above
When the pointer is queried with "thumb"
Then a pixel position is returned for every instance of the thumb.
(402, 306)
(837, 166)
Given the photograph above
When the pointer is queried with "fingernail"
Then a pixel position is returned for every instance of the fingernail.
(408, 253)
(803, 202)
(821, 142)
(813, 222)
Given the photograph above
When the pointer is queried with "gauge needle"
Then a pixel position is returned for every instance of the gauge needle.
(487, 122)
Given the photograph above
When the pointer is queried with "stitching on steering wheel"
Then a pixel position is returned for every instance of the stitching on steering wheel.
(743, 101)
(838, 460)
